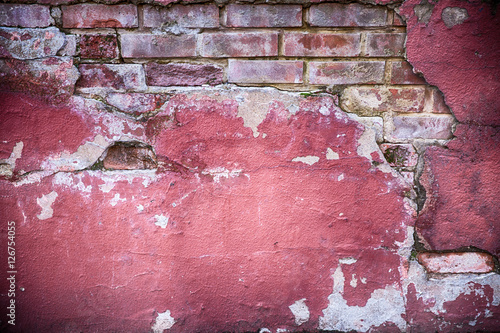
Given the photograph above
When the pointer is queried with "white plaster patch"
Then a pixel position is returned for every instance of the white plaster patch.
(116, 199)
(354, 281)
(310, 160)
(46, 202)
(340, 177)
(72, 180)
(331, 155)
(220, 172)
(300, 311)
(161, 221)
(164, 321)
(8, 165)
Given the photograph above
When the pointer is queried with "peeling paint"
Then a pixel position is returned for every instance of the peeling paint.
(309, 160)
(300, 311)
(161, 221)
(164, 321)
(331, 155)
(45, 202)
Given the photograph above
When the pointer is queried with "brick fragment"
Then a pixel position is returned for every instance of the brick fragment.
(265, 71)
(26, 16)
(402, 73)
(272, 16)
(190, 16)
(30, 43)
(398, 20)
(129, 156)
(456, 263)
(181, 74)
(372, 101)
(136, 103)
(321, 45)
(117, 77)
(346, 72)
(99, 16)
(98, 46)
(399, 155)
(341, 15)
(385, 44)
(435, 102)
(157, 46)
(419, 127)
(240, 44)
(69, 48)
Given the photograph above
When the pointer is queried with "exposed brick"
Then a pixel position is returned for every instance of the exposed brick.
(385, 44)
(157, 46)
(99, 16)
(398, 20)
(399, 155)
(30, 43)
(129, 156)
(435, 102)
(98, 46)
(69, 48)
(118, 77)
(371, 101)
(402, 73)
(136, 103)
(265, 71)
(240, 44)
(352, 15)
(180, 74)
(190, 16)
(247, 16)
(27, 16)
(456, 263)
(321, 45)
(419, 127)
(346, 72)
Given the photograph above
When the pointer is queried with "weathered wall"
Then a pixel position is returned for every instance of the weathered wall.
(239, 167)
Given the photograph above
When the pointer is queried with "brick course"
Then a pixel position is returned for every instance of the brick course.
(157, 46)
(265, 71)
(239, 44)
(193, 16)
(352, 15)
(301, 44)
(272, 16)
(181, 74)
(99, 16)
(346, 72)
(26, 16)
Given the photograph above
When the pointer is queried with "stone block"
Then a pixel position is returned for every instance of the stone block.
(182, 74)
(191, 16)
(129, 156)
(342, 15)
(98, 46)
(299, 44)
(99, 16)
(136, 103)
(239, 44)
(265, 71)
(385, 44)
(26, 16)
(114, 76)
(157, 46)
(346, 72)
(30, 43)
(457, 262)
(402, 73)
(419, 127)
(257, 16)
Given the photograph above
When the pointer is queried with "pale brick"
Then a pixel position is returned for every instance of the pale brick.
(30, 43)
(265, 71)
(346, 72)
(457, 263)
(26, 16)
(157, 46)
(190, 16)
(301, 44)
(98, 46)
(402, 73)
(399, 155)
(341, 15)
(370, 101)
(435, 102)
(69, 48)
(180, 74)
(114, 76)
(385, 44)
(419, 127)
(136, 103)
(273, 16)
(99, 16)
(129, 156)
(239, 44)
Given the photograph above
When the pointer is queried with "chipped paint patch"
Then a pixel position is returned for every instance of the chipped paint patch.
(45, 202)
(331, 155)
(8, 165)
(300, 311)
(161, 221)
(310, 160)
(220, 172)
(164, 321)
(113, 202)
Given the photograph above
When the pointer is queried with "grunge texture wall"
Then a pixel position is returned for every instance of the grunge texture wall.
(267, 166)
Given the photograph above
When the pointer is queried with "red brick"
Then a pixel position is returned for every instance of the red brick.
(129, 156)
(346, 72)
(98, 46)
(265, 71)
(239, 44)
(30, 43)
(321, 45)
(157, 46)
(99, 16)
(398, 20)
(248, 16)
(399, 155)
(136, 103)
(402, 73)
(180, 74)
(457, 263)
(420, 127)
(352, 15)
(435, 102)
(26, 16)
(190, 16)
(385, 44)
(118, 77)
